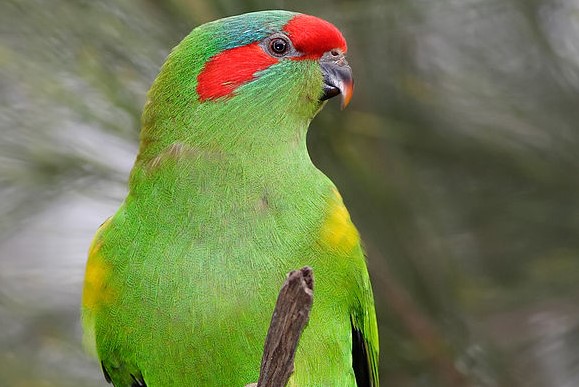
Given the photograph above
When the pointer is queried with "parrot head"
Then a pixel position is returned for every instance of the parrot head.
(271, 44)
(247, 78)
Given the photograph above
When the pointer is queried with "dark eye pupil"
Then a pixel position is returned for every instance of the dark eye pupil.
(279, 46)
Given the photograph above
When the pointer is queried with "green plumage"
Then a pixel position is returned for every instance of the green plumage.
(223, 202)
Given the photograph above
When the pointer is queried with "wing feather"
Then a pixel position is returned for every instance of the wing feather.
(365, 339)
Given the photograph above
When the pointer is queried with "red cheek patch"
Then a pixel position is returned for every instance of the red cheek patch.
(229, 69)
(313, 36)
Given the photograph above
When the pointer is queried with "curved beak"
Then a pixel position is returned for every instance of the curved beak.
(337, 77)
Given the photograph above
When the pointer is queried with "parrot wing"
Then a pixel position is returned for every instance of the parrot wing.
(97, 293)
(365, 339)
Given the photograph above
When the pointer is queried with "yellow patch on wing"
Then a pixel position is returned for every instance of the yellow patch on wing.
(95, 291)
(338, 231)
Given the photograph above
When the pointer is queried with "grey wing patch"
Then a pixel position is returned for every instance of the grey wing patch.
(106, 373)
(138, 382)
(360, 359)
(122, 381)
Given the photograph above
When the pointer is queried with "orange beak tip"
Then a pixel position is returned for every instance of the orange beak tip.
(347, 92)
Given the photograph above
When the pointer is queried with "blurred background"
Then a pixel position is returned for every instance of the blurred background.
(458, 159)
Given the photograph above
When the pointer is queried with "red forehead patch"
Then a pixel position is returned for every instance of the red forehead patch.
(230, 69)
(313, 36)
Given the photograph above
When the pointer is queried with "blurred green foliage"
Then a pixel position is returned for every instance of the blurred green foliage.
(458, 158)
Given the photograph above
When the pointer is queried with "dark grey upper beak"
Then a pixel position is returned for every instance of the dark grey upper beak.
(337, 77)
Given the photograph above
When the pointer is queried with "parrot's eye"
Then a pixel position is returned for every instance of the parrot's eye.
(279, 46)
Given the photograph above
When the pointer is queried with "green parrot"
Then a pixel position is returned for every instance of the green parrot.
(223, 202)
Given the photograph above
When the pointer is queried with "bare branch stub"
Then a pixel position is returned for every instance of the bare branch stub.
(290, 316)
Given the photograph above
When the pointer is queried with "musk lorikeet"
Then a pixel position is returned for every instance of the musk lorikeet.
(224, 201)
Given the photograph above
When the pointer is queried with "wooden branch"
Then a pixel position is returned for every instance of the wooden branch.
(290, 316)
